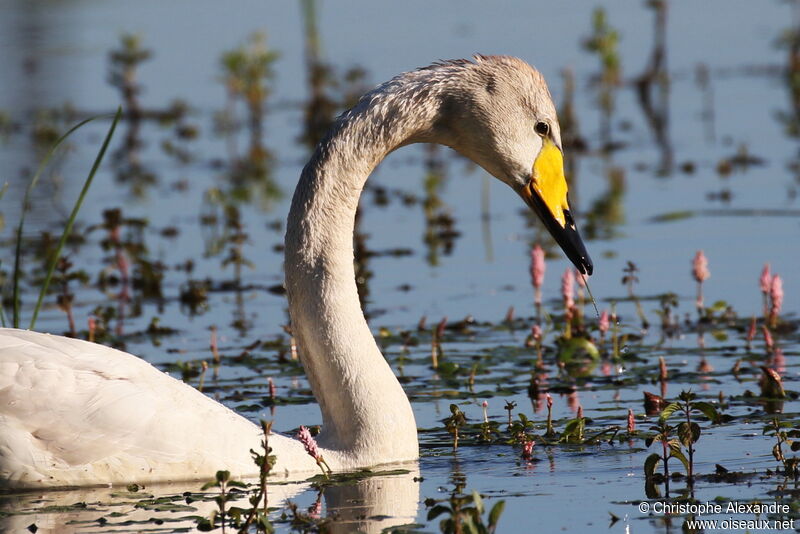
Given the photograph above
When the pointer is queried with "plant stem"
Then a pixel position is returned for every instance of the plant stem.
(67, 228)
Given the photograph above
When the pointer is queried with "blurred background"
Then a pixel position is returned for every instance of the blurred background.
(680, 128)
(680, 125)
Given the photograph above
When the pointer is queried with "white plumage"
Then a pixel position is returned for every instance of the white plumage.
(78, 413)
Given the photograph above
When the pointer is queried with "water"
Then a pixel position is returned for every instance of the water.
(57, 54)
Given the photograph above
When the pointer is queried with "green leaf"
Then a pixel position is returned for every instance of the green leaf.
(650, 464)
(719, 335)
(468, 525)
(237, 484)
(675, 452)
(208, 485)
(223, 476)
(494, 514)
(688, 433)
(25, 201)
(72, 216)
(571, 428)
(708, 409)
(438, 510)
(667, 412)
(476, 498)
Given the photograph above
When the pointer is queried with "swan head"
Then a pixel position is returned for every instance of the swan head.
(500, 114)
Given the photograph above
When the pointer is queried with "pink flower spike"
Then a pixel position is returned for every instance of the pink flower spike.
(485, 405)
(310, 444)
(776, 295)
(580, 412)
(549, 401)
(631, 422)
(765, 281)
(603, 322)
(537, 266)
(536, 332)
(779, 361)
(527, 449)
(568, 288)
(580, 279)
(767, 338)
(700, 267)
(662, 369)
(272, 388)
(751, 331)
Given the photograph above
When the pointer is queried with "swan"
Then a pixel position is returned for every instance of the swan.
(74, 413)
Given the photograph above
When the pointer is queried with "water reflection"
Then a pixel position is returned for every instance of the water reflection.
(655, 79)
(440, 232)
(368, 505)
(607, 212)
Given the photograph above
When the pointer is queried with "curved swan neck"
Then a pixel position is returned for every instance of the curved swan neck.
(365, 411)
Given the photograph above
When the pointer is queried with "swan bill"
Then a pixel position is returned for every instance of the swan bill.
(546, 193)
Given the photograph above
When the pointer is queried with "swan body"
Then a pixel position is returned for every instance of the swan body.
(75, 413)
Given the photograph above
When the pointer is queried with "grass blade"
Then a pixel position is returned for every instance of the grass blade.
(18, 251)
(73, 216)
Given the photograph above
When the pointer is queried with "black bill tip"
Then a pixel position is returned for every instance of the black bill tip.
(567, 236)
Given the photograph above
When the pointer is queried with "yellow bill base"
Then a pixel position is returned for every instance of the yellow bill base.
(549, 182)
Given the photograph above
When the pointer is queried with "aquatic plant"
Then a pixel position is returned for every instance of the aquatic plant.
(538, 268)
(247, 71)
(527, 449)
(765, 284)
(603, 325)
(568, 289)
(16, 298)
(63, 276)
(629, 279)
(123, 64)
(535, 340)
(265, 462)
(776, 299)
(771, 384)
(465, 514)
(224, 483)
(631, 423)
(689, 431)
(549, 432)
(519, 430)
(604, 42)
(784, 435)
(510, 405)
(310, 444)
(436, 342)
(670, 448)
(700, 273)
(453, 423)
(574, 429)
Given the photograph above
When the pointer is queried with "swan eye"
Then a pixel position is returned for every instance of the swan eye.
(542, 128)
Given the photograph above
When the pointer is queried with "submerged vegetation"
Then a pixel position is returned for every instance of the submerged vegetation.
(550, 389)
